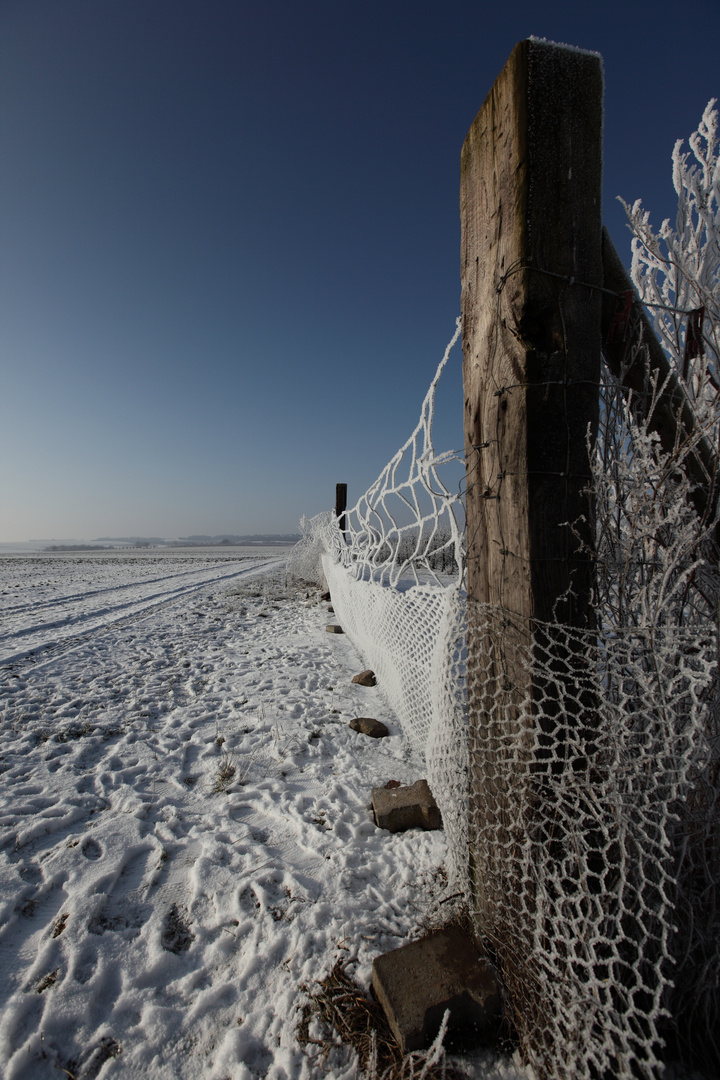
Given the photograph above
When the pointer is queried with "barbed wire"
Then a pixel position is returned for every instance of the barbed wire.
(527, 264)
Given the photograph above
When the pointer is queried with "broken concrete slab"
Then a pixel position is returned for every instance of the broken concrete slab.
(365, 678)
(367, 726)
(410, 807)
(416, 983)
(333, 628)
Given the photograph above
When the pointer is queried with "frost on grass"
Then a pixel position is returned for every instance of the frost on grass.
(338, 1009)
(225, 773)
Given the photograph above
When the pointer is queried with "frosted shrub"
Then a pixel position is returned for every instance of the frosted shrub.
(678, 270)
(658, 571)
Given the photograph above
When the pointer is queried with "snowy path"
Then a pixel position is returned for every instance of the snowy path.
(158, 922)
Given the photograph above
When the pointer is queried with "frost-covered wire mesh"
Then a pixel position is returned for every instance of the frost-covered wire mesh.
(590, 747)
(408, 526)
(305, 559)
(396, 575)
(414, 641)
(594, 756)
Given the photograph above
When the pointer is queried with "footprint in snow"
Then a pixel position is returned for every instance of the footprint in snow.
(88, 1062)
(91, 849)
(95, 1056)
(22, 1019)
(125, 908)
(84, 968)
(31, 874)
(177, 936)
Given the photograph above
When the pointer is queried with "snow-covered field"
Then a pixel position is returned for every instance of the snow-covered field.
(185, 840)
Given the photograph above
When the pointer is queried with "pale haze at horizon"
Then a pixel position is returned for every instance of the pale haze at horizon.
(229, 239)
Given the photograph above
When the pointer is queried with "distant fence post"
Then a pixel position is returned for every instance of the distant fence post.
(340, 505)
(530, 202)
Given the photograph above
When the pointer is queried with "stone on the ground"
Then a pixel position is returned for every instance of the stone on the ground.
(411, 807)
(365, 678)
(367, 726)
(331, 609)
(333, 628)
(325, 596)
(416, 983)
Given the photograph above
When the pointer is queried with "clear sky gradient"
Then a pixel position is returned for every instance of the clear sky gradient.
(229, 237)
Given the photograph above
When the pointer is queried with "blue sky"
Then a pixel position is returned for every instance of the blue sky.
(229, 237)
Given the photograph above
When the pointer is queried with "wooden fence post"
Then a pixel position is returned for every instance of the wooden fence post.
(340, 505)
(530, 202)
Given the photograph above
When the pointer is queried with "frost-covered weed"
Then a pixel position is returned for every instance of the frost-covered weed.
(225, 773)
(658, 560)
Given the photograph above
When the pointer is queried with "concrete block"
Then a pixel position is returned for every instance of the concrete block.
(416, 983)
(366, 726)
(365, 678)
(333, 628)
(401, 808)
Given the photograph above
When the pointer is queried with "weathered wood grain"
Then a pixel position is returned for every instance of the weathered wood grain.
(530, 201)
(530, 204)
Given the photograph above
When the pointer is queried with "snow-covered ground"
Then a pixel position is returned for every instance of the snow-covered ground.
(185, 840)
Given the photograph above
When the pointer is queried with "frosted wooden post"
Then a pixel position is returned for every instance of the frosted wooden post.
(340, 505)
(531, 245)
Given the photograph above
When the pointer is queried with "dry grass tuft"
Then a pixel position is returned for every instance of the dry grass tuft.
(225, 773)
(342, 1007)
(60, 924)
(48, 980)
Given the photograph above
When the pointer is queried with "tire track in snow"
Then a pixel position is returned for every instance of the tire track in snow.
(20, 609)
(101, 618)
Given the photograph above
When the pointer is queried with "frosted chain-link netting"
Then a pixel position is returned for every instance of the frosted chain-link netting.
(588, 775)
(590, 748)
(305, 559)
(414, 642)
(407, 529)
(396, 575)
